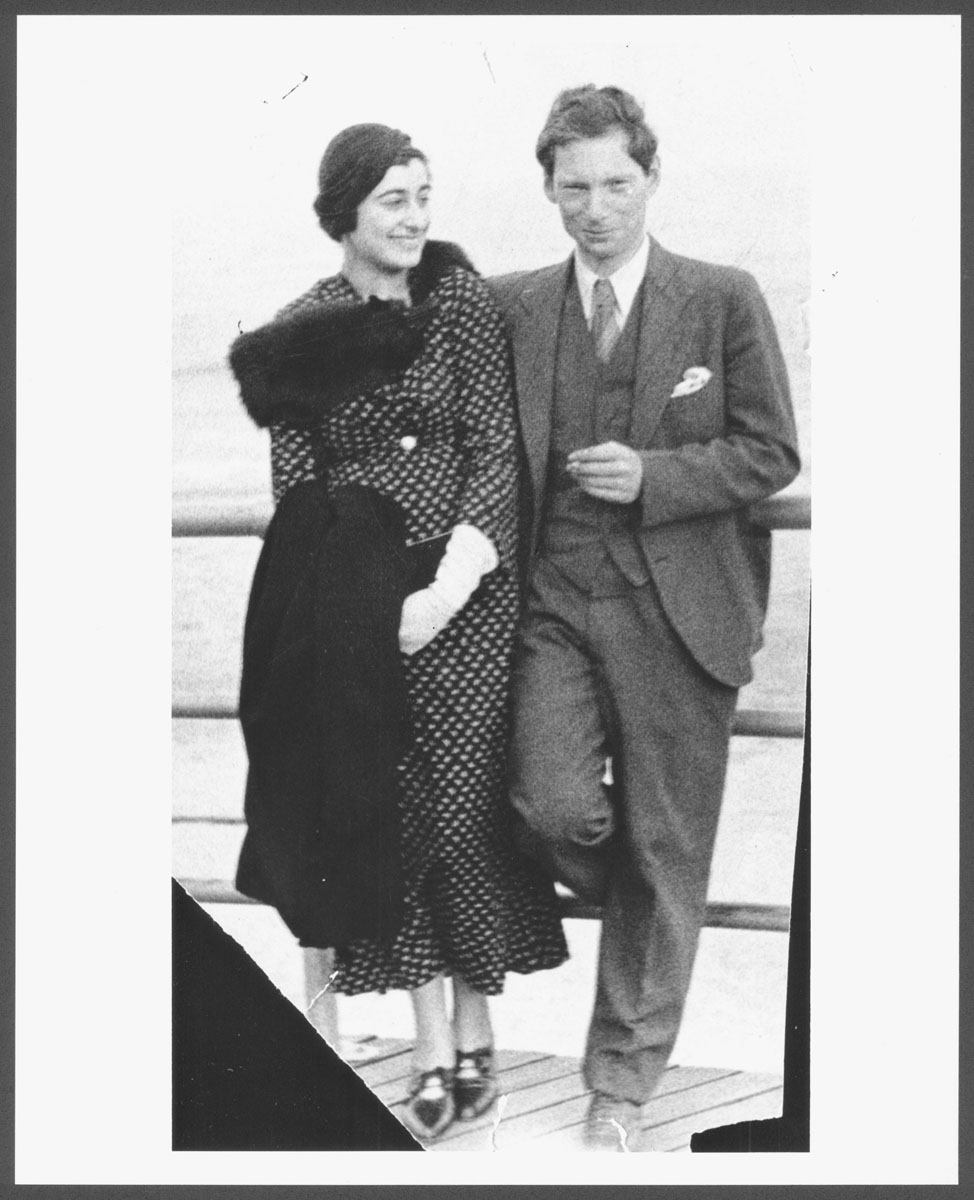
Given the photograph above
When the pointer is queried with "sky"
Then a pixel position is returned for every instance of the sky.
(257, 104)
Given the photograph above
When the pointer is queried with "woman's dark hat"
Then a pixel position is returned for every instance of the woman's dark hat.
(353, 165)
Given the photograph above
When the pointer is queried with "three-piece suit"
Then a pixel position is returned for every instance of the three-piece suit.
(641, 619)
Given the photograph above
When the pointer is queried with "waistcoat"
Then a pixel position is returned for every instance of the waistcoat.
(592, 542)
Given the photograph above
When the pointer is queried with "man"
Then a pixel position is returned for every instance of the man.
(654, 407)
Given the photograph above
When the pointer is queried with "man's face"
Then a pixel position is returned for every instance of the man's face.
(602, 194)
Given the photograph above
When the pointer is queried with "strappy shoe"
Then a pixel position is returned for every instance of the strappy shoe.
(474, 1083)
(430, 1109)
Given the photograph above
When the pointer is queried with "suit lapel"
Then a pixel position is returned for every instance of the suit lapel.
(661, 338)
(535, 349)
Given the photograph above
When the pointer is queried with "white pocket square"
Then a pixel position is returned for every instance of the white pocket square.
(694, 378)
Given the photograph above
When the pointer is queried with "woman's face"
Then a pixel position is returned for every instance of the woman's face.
(392, 221)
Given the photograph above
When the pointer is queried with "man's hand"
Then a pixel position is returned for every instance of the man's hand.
(609, 471)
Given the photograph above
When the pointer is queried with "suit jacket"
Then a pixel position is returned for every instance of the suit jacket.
(706, 456)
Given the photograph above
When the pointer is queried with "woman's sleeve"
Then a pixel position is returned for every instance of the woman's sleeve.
(292, 457)
(488, 429)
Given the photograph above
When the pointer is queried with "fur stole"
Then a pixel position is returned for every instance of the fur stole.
(299, 367)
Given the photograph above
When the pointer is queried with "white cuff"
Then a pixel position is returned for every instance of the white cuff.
(469, 556)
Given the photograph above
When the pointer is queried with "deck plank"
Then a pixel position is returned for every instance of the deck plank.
(675, 1135)
(715, 1094)
(394, 1091)
(539, 1111)
(380, 1071)
(372, 1070)
(570, 1107)
(524, 1079)
(544, 1102)
(516, 1105)
(670, 1118)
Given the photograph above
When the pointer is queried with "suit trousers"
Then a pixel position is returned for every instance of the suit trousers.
(607, 676)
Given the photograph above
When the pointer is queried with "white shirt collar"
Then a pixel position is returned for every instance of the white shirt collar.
(625, 282)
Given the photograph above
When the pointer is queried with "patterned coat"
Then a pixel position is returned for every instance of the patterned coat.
(418, 403)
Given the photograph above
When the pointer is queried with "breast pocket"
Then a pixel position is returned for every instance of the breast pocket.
(697, 417)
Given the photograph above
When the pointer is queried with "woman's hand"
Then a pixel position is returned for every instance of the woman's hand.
(424, 615)
(469, 555)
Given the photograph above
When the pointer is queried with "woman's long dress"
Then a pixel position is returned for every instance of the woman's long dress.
(441, 441)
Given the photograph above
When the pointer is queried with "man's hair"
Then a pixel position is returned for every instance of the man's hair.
(590, 112)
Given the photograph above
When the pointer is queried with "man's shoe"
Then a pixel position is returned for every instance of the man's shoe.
(612, 1124)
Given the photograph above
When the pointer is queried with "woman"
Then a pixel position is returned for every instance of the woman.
(427, 422)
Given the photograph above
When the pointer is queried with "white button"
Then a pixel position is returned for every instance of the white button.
(408, 442)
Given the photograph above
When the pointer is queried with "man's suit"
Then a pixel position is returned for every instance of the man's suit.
(642, 663)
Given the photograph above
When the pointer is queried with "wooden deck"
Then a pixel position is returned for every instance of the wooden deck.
(544, 1100)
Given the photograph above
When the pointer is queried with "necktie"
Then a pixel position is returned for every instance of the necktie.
(605, 327)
